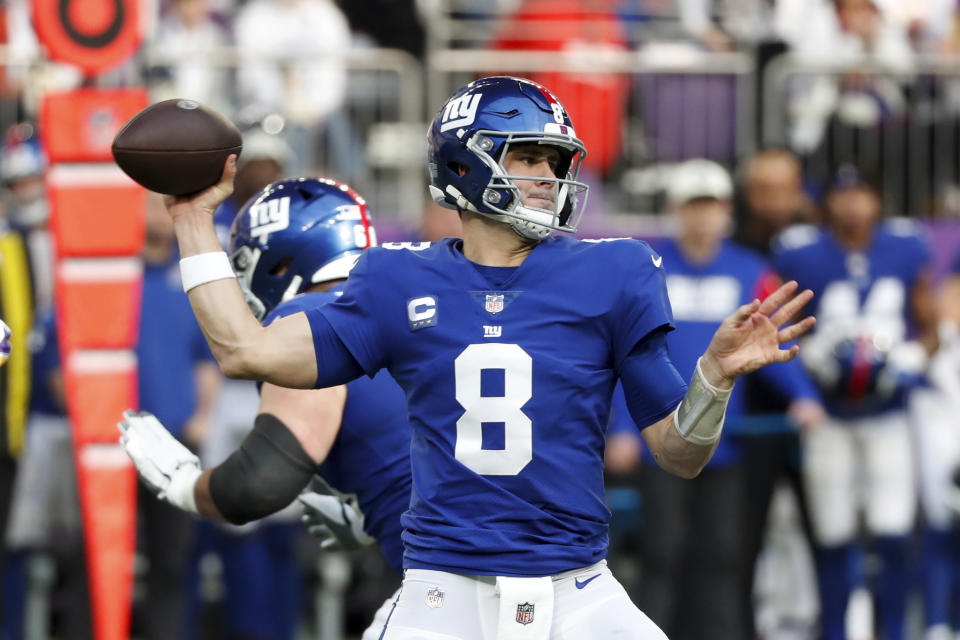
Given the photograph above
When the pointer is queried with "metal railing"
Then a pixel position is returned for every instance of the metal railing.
(901, 128)
(375, 138)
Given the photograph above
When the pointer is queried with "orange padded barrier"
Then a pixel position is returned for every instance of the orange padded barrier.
(107, 484)
(78, 126)
(99, 303)
(100, 386)
(97, 219)
(95, 210)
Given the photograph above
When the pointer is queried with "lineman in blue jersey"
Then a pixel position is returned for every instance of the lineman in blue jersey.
(507, 345)
(870, 283)
(293, 245)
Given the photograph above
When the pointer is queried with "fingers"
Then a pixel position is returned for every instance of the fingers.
(211, 197)
(786, 355)
(226, 177)
(795, 330)
(790, 309)
(778, 297)
(742, 314)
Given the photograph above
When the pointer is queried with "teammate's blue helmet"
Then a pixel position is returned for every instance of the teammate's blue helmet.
(295, 233)
(472, 133)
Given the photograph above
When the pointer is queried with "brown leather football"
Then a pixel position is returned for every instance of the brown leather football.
(176, 147)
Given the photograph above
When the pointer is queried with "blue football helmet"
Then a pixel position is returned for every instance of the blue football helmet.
(295, 233)
(472, 133)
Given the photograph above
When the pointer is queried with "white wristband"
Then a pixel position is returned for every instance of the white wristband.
(203, 268)
(699, 418)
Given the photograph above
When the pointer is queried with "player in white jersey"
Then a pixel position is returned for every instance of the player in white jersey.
(508, 345)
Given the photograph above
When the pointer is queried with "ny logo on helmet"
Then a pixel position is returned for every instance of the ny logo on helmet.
(267, 217)
(460, 112)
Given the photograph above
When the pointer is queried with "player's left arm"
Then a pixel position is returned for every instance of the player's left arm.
(293, 432)
(750, 338)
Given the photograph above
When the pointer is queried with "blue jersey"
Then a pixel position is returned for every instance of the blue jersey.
(371, 454)
(702, 295)
(508, 389)
(170, 346)
(46, 363)
(857, 294)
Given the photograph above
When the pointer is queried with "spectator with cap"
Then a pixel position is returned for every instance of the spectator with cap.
(691, 544)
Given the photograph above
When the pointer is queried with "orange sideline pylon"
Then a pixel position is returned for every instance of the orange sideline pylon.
(107, 485)
(97, 218)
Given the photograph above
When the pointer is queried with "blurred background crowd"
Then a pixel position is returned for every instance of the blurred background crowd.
(793, 112)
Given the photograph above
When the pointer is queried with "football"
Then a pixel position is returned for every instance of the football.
(176, 147)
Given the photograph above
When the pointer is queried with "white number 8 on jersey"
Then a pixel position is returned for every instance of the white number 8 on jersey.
(517, 368)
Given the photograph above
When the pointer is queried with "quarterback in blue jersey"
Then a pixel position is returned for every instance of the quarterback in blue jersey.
(870, 286)
(292, 246)
(507, 345)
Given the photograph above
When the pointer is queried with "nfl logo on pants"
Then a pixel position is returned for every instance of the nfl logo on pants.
(525, 613)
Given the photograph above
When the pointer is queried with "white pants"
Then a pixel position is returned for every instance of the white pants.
(380, 618)
(859, 464)
(589, 604)
(45, 502)
(934, 411)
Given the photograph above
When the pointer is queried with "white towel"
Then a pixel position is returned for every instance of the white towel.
(526, 608)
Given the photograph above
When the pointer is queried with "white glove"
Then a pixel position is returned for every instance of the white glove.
(333, 517)
(167, 467)
(5, 344)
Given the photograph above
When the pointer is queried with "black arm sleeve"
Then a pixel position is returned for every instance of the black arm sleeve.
(264, 475)
(651, 384)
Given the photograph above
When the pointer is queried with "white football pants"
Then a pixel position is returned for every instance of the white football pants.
(588, 604)
(865, 464)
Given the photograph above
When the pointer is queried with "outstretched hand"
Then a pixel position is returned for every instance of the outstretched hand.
(209, 199)
(750, 338)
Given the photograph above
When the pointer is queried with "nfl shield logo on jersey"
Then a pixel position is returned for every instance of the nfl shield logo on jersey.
(525, 613)
(434, 598)
(494, 303)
